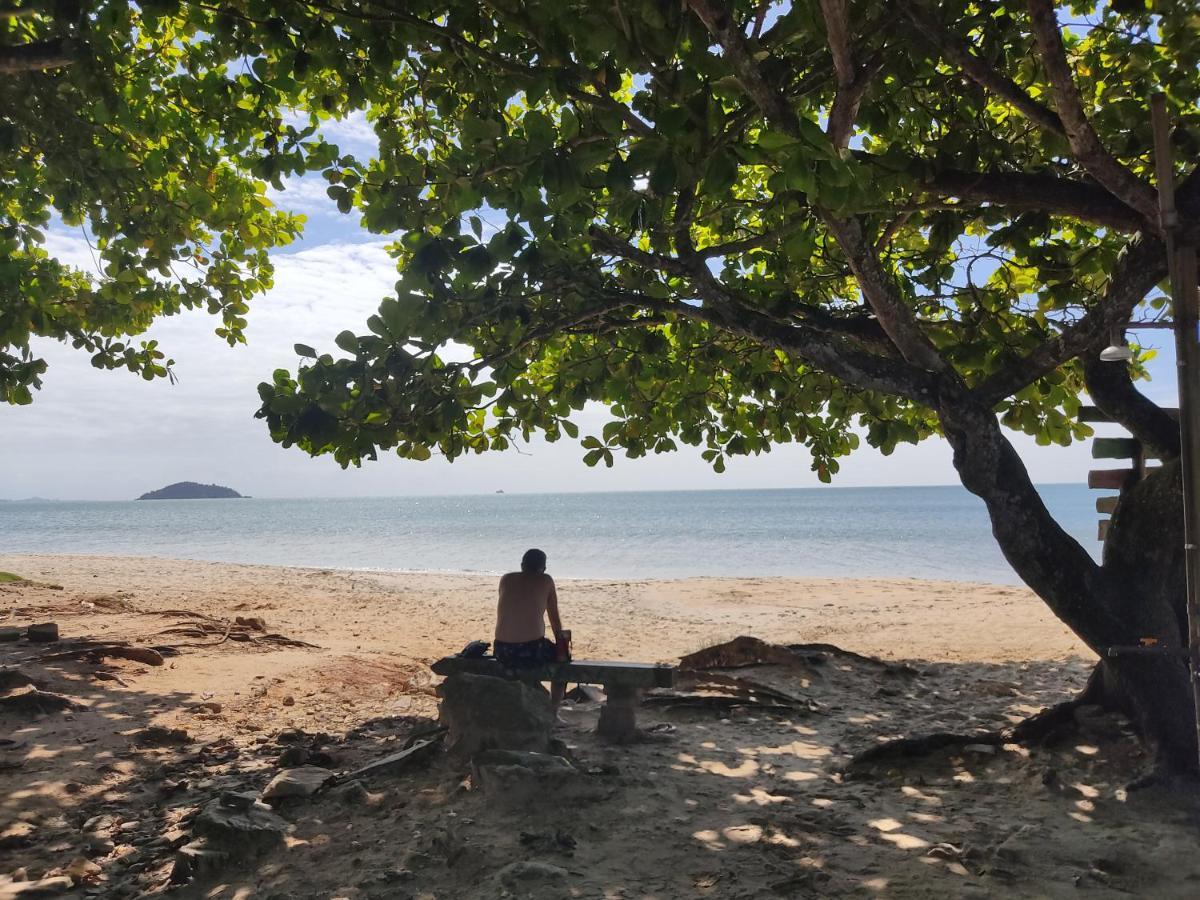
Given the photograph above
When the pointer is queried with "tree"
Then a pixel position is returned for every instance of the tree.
(741, 222)
(142, 128)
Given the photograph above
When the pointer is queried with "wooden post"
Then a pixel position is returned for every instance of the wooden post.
(1182, 261)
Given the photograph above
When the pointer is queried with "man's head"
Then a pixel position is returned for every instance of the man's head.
(533, 562)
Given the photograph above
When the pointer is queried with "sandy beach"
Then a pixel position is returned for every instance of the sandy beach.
(733, 804)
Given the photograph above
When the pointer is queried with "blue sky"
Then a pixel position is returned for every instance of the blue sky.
(111, 436)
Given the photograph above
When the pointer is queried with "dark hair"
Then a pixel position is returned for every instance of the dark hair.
(534, 561)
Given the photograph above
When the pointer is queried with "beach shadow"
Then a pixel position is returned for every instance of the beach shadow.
(742, 803)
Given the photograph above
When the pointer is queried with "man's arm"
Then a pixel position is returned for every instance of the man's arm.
(552, 610)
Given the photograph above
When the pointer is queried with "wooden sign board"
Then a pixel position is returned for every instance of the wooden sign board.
(1107, 505)
(1118, 448)
(1109, 479)
(1102, 530)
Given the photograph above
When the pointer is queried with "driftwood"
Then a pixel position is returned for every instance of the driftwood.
(150, 656)
(243, 631)
(35, 701)
(416, 751)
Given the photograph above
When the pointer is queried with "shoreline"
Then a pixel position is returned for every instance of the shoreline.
(488, 573)
(424, 615)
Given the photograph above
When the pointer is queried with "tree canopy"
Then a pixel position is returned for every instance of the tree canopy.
(741, 224)
(140, 129)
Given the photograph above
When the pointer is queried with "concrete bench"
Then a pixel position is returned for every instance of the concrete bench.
(621, 682)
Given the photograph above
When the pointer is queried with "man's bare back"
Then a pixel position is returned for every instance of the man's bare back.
(525, 599)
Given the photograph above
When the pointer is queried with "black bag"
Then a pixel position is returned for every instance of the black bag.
(475, 650)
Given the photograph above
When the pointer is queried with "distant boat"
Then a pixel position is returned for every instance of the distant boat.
(499, 492)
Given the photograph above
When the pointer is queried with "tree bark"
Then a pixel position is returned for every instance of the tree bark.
(1136, 594)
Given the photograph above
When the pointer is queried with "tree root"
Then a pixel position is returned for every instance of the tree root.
(1039, 729)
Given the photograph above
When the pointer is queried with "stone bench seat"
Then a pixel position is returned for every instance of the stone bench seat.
(621, 681)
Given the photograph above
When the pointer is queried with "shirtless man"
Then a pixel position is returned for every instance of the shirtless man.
(527, 598)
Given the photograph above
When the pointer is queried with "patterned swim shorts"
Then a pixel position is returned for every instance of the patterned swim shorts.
(527, 654)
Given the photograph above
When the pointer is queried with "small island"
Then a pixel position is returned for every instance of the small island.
(190, 490)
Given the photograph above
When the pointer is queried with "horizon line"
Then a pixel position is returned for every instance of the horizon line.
(534, 493)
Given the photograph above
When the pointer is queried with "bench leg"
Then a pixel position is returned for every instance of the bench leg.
(618, 715)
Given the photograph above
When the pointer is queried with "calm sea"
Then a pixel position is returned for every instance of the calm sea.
(917, 532)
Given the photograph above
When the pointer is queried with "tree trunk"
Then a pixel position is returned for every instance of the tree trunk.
(1144, 554)
(1137, 593)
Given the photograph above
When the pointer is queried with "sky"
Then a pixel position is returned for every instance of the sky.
(94, 435)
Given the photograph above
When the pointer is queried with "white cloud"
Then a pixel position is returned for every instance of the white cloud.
(110, 435)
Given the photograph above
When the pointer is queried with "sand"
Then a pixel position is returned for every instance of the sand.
(723, 804)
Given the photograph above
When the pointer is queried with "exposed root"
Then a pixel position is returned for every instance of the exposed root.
(35, 702)
(1041, 728)
(906, 748)
(750, 651)
(819, 653)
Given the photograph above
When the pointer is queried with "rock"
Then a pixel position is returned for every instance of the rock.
(99, 844)
(238, 799)
(243, 831)
(9, 634)
(208, 706)
(254, 623)
(197, 858)
(101, 823)
(80, 869)
(483, 713)
(45, 887)
(172, 838)
(303, 781)
(518, 780)
(18, 834)
(289, 700)
(159, 736)
(291, 757)
(533, 879)
(352, 793)
(43, 632)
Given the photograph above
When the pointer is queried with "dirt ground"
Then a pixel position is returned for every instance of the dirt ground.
(725, 802)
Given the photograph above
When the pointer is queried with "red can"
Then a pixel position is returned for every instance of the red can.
(562, 646)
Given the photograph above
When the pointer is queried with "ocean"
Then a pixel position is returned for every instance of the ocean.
(897, 532)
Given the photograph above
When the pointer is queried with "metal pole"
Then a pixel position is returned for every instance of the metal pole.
(1182, 261)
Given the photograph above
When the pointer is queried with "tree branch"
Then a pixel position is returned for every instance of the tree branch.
(1048, 193)
(879, 290)
(1085, 143)
(864, 371)
(852, 81)
(1141, 265)
(721, 25)
(1111, 387)
(894, 315)
(959, 52)
(36, 57)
